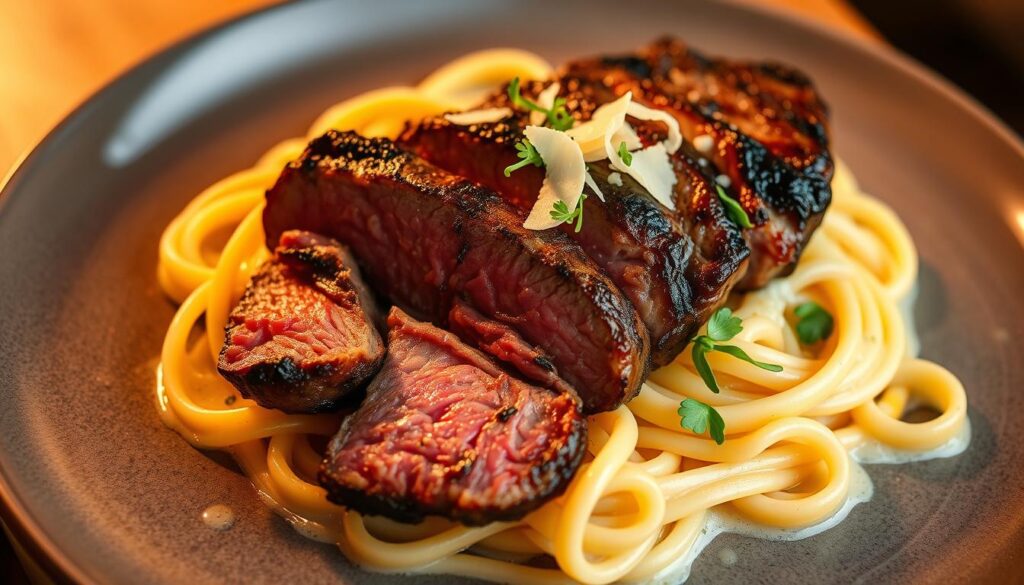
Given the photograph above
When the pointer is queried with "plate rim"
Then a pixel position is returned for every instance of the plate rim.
(28, 534)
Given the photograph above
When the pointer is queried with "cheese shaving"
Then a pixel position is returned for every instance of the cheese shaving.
(485, 116)
(651, 168)
(628, 135)
(593, 186)
(564, 176)
(642, 112)
(594, 134)
(566, 153)
(546, 100)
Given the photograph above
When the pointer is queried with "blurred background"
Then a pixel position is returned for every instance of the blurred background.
(55, 53)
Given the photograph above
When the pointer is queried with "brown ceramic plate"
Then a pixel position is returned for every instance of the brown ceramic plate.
(94, 484)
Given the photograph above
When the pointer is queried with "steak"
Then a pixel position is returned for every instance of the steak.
(426, 238)
(302, 339)
(443, 431)
(768, 140)
(502, 343)
(675, 268)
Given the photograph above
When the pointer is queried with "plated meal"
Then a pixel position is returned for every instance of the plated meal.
(530, 324)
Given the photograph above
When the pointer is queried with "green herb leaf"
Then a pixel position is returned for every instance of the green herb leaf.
(624, 154)
(558, 117)
(560, 212)
(733, 209)
(518, 100)
(701, 346)
(528, 154)
(723, 325)
(815, 323)
(699, 417)
(740, 354)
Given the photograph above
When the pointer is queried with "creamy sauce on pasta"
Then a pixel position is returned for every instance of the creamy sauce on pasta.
(722, 521)
(876, 452)
(651, 495)
(219, 517)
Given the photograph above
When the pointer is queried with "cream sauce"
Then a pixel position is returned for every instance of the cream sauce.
(219, 517)
(720, 521)
(875, 452)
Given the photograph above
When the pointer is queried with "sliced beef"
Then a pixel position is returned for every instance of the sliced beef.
(426, 238)
(502, 343)
(443, 431)
(767, 137)
(675, 268)
(302, 337)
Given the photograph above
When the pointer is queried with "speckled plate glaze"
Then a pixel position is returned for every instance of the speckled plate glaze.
(96, 487)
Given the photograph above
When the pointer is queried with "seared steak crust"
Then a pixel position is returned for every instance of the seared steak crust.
(443, 431)
(675, 268)
(768, 131)
(301, 339)
(425, 237)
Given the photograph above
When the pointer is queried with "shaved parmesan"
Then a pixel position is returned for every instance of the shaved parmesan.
(485, 116)
(564, 176)
(566, 153)
(594, 135)
(545, 99)
(651, 168)
(642, 112)
(628, 135)
(593, 186)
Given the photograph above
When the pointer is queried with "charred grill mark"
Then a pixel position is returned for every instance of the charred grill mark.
(658, 259)
(301, 339)
(461, 242)
(544, 363)
(769, 133)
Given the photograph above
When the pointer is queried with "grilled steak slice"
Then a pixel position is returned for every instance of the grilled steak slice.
(767, 137)
(502, 343)
(425, 237)
(302, 338)
(675, 268)
(443, 431)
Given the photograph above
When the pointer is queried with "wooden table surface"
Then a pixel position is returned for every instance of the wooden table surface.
(56, 53)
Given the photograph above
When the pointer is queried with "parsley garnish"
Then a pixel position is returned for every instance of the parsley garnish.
(558, 117)
(699, 417)
(560, 212)
(815, 323)
(624, 154)
(696, 415)
(722, 326)
(528, 154)
(733, 209)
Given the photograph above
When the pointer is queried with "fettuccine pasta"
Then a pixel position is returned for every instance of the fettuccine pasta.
(647, 488)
